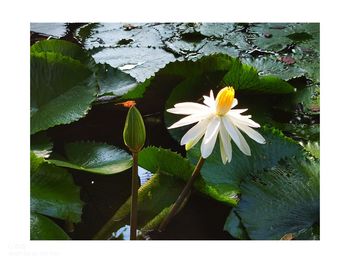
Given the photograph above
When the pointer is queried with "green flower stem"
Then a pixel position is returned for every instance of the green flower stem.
(134, 196)
(109, 227)
(184, 194)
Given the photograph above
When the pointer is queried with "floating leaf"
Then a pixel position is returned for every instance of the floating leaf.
(64, 48)
(234, 226)
(277, 36)
(43, 228)
(170, 163)
(53, 192)
(270, 65)
(228, 177)
(62, 87)
(272, 85)
(113, 81)
(94, 157)
(285, 199)
(51, 29)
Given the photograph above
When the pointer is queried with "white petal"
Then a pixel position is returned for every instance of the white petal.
(251, 133)
(212, 95)
(234, 103)
(188, 108)
(196, 131)
(212, 128)
(209, 101)
(222, 152)
(230, 129)
(189, 120)
(243, 146)
(236, 118)
(238, 111)
(236, 135)
(192, 143)
(207, 148)
(226, 142)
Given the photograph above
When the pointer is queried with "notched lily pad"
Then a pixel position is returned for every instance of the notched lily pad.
(62, 84)
(284, 200)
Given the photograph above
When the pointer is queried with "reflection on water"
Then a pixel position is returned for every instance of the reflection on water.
(144, 175)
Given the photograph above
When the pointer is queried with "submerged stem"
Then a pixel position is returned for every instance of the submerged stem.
(134, 196)
(184, 194)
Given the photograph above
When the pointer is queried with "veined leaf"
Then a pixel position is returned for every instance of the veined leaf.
(53, 192)
(94, 157)
(228, 177)
(284, 200)
(43, 228)
(62, 84)
(113, 81)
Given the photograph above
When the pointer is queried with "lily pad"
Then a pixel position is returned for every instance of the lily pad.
(229, 177)
(113, 81)
(50, 29)
(145, 61)
(43, 228)
(94, 157)
(62, 87)
(53, 192)
(270, 65)
(277, 36)
(284, 200)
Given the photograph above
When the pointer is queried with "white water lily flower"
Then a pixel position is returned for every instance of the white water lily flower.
(216, 118)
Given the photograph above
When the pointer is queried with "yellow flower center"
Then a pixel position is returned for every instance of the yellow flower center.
(224, 100)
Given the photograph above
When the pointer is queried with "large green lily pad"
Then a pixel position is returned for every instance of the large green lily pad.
(94, 157)
(43, 228)
(62, 84)
(283, 201)
(53, 192)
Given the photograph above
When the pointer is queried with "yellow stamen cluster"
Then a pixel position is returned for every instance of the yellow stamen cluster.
(224, 100)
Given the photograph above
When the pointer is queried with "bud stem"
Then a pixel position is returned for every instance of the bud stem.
(134, 196)
(184, 194)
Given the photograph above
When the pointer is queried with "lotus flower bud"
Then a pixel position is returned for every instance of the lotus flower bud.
(134, 130)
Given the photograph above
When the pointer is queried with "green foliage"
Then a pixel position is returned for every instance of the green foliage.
(154, 196)
(64, 48)
(43, 228)
(62, 84)
(313, 148)
(303, 38)
(113, 81)
(273, 85)
(228, 177)
(283, 200)
(271, 65)
(234, 226)
(275, 190)
(172, 164)
(53, 192)
(94, 157)
(276, 36)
